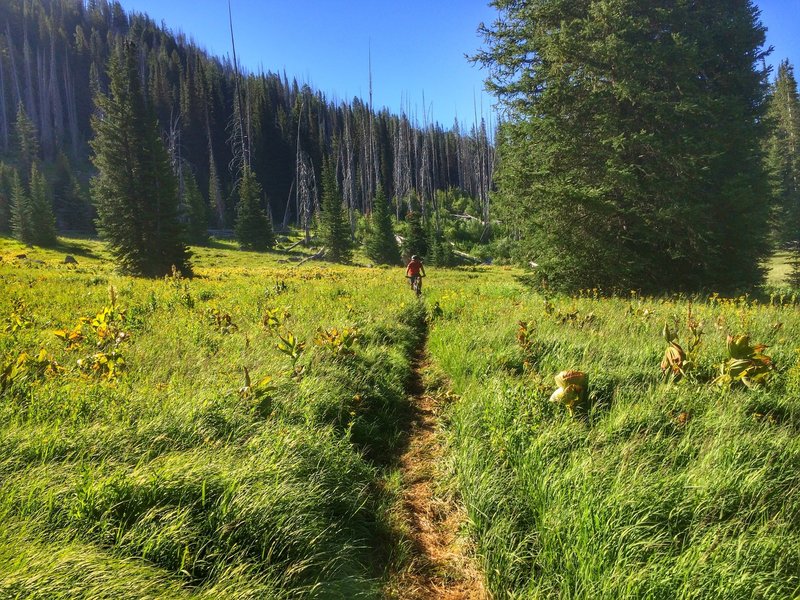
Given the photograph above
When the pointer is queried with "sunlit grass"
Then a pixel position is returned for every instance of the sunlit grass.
(177, 479)
(171, 479)
(663, 490)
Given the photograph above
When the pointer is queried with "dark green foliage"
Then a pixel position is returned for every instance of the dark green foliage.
(73, 212)
(631, 157)
(21, 225)
(43, 232)
(334, 229)
(135, 191)
(253, 225)
(793, 278)
(381, 244)
(195, 213)
(6, 181)
(783, 154)
(417, 241)
(32, 219)
(440, 250)
(27, 143)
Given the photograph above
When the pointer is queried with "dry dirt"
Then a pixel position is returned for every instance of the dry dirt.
(441, 566)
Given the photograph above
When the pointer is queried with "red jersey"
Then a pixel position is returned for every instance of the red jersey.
(413, 268)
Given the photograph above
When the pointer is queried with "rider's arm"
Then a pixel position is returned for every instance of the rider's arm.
(422, 270)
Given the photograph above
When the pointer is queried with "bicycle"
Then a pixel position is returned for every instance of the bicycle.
(416, 284)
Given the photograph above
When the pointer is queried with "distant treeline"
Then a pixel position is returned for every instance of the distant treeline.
(53, 61)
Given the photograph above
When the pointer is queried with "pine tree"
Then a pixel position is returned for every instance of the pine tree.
(72, 209)
(27, 143)
(135, 191)
(440, 251)
(196, 211)
(21, 218)
(381, 243)
(783, 154)
(253, 225)
(334, 229)
(631, 155)
(32, 220)
(43, 222)
(6, 185)
(417, 241)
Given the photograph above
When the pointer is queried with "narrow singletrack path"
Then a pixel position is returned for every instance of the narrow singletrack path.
(440, 567)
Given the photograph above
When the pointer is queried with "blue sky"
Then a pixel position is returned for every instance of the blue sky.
(417, 46)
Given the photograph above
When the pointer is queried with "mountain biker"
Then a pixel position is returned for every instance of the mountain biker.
(415, 271)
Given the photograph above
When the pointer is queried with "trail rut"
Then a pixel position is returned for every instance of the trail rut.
(441, 566)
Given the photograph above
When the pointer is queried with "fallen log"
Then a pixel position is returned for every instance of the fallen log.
(318, 255)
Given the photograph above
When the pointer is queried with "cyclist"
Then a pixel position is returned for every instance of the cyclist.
(415, 272)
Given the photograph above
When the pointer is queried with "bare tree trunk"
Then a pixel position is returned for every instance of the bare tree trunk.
(214, 192)
(30, 101)
(45, 126)
(286, 212)
(300, 175)
(241, 157)
(3, 110)
(14, 72)
(72, 112)
(55, 97)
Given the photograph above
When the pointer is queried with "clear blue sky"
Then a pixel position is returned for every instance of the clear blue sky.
(417, 46)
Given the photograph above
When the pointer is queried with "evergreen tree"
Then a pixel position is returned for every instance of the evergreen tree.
(783, 154)
(381, 244)
(135, 191)
(21, 218)
(253, 225)
(32, 220)
(793, 278)
(196, 212)
(440, 251)
(43, 222)
(631, 156)
(73, 212)
(334, 229)
(416, 242)
(27, 143)
(6, 185)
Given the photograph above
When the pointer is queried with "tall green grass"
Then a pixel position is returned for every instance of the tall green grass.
(663, 490)
(170, 480)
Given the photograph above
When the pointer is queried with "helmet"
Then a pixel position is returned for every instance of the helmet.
(415, 257)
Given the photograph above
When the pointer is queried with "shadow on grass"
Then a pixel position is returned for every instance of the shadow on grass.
(74, 247)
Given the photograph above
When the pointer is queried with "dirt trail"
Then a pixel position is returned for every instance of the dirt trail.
(440, 566)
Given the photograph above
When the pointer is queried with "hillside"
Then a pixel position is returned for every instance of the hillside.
(53, 58)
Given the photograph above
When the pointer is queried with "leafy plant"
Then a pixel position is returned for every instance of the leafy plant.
(677, 361)
(73, 337)
(525, 333)
(573, 390)
(26, 366)
(18, 319)
(273, 318)
(108, 361)
(259, 394)
(293, 348)
(103, 364)
(747, 364)
(221, 321)
(339, 342)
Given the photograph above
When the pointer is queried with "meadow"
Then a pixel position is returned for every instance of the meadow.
(682, 486)
(224, 436)
(235, 435)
